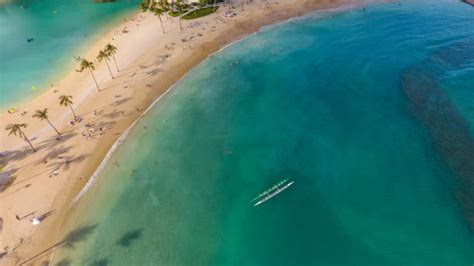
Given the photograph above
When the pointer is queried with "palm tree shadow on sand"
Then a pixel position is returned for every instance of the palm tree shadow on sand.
(77, 235)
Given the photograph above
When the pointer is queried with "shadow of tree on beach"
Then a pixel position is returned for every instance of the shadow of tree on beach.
(129, 237)
(23, 152)
(16, 182)
(121, 101)
(157, 60)
(116, 114)
(77, 235)
(6, 180)
(56, 152)
(68, 161)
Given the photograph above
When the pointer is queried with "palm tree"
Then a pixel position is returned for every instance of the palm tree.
(16, 129)
(144, 5)
(103, 55)
(166, 7)
(180, 11)
(43, 115)
(159, 12)
(150, 4)
(66, 100)
(89, 65)
(111, 50)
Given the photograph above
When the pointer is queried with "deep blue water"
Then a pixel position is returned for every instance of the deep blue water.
(60, 30)
(369, 111)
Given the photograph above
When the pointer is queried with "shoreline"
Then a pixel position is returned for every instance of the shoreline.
(25, 241)
(68, 65)
(124, 136)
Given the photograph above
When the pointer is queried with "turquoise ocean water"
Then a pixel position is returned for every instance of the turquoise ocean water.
(369, 111)
(60, 30)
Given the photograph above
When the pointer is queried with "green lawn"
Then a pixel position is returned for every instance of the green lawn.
(200, 13)
(175, 14)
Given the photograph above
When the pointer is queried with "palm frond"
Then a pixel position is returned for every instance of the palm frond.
(15, 129)
(41, 114)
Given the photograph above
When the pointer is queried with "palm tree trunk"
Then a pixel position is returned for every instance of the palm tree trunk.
(150, 2)
(73, 113)
(242, 5)
(113, 56)
(110, 71)
(31, 145)
(162, 27)
(27, 140)
(53, 127)
(96, 84)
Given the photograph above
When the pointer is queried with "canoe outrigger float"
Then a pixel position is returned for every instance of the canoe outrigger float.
(273, 191)
(266, 192)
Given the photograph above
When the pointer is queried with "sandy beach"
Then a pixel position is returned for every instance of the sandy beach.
(44, 183)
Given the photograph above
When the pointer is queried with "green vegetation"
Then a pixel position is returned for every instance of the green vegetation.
(43, 115)
(144, 5)
(86, 64)
(105, 56)
(175, 13)
(16, 129)
(200, 13)
(66, 100)
(111, 51)
(159, 12)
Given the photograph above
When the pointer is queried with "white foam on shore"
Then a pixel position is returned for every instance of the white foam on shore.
(114, 147)
(126, 133)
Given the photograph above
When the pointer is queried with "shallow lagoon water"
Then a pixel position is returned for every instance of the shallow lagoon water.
(59, 29)
(329, 101)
